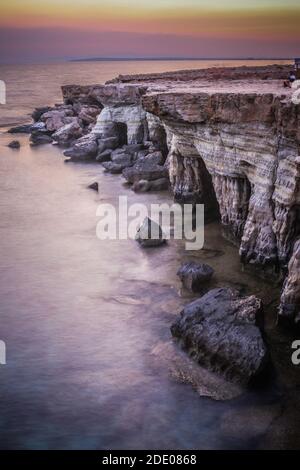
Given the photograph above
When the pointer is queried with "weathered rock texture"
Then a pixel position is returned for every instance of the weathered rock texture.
(193, 275)
(220, 331)
(234, 143)
(290, 298)
(229, 138)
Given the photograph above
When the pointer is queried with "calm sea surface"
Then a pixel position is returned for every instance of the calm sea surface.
(82, 318)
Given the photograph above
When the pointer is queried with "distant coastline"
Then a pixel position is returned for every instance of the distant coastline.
(142, 59)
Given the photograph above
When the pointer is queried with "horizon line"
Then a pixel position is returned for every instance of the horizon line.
(94, 59)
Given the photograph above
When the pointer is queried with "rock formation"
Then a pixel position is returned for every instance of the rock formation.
(220, 331)
(150, 234)
(227, 137)
(193, 275)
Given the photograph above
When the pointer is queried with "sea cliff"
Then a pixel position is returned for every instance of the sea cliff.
(228, 138)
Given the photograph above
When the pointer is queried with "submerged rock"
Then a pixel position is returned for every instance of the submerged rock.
(112, 167)
(14, 144)
(94, 186)
(26, 128)
(193, 275)
(143, 186)
(220, 331)
(40, 137)
(150, 234)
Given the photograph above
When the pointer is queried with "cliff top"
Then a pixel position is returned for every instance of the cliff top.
(259, 80)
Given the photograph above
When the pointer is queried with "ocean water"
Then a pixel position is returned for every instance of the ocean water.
(83, 319)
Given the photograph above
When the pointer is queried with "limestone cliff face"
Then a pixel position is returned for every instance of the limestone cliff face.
(250, 148)
(233, 139)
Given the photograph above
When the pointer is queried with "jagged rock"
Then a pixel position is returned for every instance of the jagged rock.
(109, 143)
(68, 133)
(74, 94)
(57, 118)
(289, 310)
(87, 114)
(103, 156)
(119, 162)
(14, 144)
(150, 234)
(142, 153)
(133, 148)
(94, 186)
(122, 158)
(193, 275)
(155, 158)
(38, 112)
(26, 128)
(84, 148)
(220, 332)
(145, 169)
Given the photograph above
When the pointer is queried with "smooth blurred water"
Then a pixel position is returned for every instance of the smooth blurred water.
(81, 317)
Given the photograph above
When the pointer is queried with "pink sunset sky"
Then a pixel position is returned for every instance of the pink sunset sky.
(35, 30)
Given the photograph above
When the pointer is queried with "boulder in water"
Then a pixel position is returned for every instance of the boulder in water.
(220, 331)
(150, 234)
(193, 275)
(14, 144)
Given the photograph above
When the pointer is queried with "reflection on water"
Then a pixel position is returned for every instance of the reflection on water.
(80, 318)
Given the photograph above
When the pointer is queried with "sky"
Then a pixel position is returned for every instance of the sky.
(43, 30)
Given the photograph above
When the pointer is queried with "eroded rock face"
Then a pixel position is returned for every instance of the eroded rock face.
(246, 136)
(239, 139)
(289, 311)
(127, 123)
(220, 331)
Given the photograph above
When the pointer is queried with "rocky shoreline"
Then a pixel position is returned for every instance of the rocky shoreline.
(228, 138)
